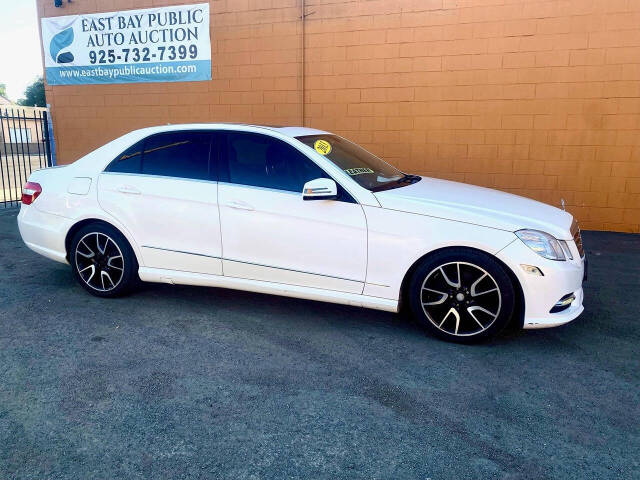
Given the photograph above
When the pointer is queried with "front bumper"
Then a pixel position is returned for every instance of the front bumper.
(541, 293)
(560, 318)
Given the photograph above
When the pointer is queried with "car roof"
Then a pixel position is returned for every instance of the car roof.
(105, 153)
(289, 131)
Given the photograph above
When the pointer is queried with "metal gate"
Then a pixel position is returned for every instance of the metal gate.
(25, 146)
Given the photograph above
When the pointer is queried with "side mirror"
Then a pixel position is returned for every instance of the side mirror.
(320, 189)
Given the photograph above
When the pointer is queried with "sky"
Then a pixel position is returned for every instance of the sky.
(20, 57)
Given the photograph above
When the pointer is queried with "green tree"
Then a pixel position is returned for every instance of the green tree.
(3, 89)
(34, 95)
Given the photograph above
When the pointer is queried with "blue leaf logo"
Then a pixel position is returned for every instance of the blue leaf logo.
(58, 42)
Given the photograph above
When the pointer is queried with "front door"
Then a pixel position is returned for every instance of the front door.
(164, 191)
(270, 233)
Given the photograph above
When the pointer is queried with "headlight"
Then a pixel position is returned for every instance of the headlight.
(542, 243)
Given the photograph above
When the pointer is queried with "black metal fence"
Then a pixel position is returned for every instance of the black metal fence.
(25, 146)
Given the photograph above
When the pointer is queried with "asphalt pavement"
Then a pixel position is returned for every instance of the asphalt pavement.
(178, 382)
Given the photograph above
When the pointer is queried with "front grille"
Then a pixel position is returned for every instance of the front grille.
(577, 237)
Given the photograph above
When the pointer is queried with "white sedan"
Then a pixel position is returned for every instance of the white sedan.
(304, 213)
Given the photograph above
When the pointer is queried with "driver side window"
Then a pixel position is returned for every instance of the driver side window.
(263, 161)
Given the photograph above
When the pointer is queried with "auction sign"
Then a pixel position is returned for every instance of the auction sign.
(167, 44)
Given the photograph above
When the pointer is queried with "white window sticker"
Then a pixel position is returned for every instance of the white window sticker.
(358, 171)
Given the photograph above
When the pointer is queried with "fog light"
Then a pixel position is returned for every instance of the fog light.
(564, 303)
(532, 270)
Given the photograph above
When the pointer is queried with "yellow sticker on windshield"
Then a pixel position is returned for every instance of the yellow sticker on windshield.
(322, 147)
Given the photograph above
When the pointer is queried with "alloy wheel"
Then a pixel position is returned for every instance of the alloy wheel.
(460, 298)
(99, 261)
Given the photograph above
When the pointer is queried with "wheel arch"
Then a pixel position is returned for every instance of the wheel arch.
(87, 221)
(518, 315)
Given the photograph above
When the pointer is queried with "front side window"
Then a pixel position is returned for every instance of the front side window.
(263, 161)
(362, 166)
(172, 154)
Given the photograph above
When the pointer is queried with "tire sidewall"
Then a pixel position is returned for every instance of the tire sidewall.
(475, 257)
(130, 272)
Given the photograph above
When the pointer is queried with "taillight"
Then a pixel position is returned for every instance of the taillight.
(30, 192)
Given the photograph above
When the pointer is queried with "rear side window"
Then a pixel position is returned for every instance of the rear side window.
(263, 161)
(129, 161)
(181, 154)
(177, 154)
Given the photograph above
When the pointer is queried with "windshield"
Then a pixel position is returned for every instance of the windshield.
(364, 167)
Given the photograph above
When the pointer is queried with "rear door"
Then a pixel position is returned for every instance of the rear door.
(164, 190)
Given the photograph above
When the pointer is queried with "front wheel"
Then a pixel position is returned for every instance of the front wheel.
(103, 261)
(462, 295)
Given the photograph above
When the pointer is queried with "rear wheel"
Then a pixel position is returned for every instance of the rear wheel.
(103, 261)
(462, 295)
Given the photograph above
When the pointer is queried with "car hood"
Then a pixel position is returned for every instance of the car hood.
(481, 206)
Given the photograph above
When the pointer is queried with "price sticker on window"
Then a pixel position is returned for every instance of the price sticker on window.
(322, 147)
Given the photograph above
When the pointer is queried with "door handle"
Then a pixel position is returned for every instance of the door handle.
(129, 189)
(239, 205)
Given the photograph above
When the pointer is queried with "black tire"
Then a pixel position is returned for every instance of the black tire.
(474, 309)
(94, 250)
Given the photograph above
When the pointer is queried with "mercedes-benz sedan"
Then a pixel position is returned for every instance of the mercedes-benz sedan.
(304, 213)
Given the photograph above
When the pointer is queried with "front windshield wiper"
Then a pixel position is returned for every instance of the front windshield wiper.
(406, 179)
